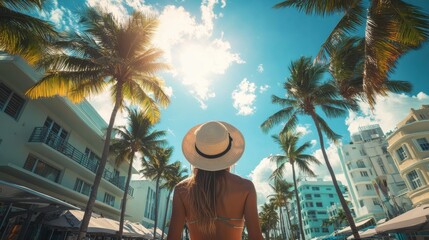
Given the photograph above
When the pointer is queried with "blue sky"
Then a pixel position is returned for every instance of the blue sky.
(229, 57)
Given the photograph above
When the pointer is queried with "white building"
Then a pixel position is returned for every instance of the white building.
(376, 188)
(143, 206)
(53, 146)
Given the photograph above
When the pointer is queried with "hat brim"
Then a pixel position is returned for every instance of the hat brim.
(213, 164)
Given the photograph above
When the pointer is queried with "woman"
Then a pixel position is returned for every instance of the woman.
(214, 203)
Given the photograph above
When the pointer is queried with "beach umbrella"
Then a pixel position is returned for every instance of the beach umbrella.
(414, 220)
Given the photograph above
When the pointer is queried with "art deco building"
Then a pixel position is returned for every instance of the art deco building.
(53, 146)
(409, 147)
(376, 189)
(316, 197)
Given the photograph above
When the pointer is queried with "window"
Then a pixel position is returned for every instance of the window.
(361, 203)
(360, 164)
(331, 195)
(82, 187)
(308, 196)
(375, 201)
(368, 187)
(41, 168)
(309, 204)
(329, 189)
(109, 199)
(413, 178)
(402, 152)
(332, 203)
(56, 135)
(364, 173)
(362, 152)
(325, 230)
(381, 165)
(149, 211)
(10, 102)
(319, 204)
(91, 161)
(315, 188)
(423, 143)
(349, 166)
(316, 230)
(317, 195)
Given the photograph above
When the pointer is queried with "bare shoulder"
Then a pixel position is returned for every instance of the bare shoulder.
(244, 183)
(182, 186)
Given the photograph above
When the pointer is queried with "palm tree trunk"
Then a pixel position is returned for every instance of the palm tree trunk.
(156, 206)
(100, 170)
(334, 181)
(165, 215)
(292, 234)
(298, 204)
(124, 198)
(282, 224)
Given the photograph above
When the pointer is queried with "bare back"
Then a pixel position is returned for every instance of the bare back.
(235, 205)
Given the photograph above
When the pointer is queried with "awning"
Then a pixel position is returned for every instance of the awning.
(364, 234)
(359, 225)
(412, 221)
(72, 219)
(24, 197)
(138, 228)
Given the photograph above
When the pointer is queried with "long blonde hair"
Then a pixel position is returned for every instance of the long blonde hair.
(203, 188)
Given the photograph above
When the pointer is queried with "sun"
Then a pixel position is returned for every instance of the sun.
(195, 60)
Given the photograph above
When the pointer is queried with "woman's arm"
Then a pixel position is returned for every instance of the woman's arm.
(251, 215)
(177, 218)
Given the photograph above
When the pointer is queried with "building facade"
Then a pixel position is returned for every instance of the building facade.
(409, 147)
(52, 145)
(316, 197)
(375, 186)
(143, 204)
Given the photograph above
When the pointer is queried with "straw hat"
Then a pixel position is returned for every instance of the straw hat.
(213, 146)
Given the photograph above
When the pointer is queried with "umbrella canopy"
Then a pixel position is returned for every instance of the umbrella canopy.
(359, 225)
(24, 197)
(138, 228)
(72, 219)
(412, 221)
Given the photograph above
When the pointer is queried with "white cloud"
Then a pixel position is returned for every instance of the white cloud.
(263, 88)
(56, 14)
(168, 90)
(387, 112)
(244, 97)
(334, 159)
(104, 106)
(303, 129)
(114, 7)
(198, 56)
(260, 68)
(313, 142)
(260, 178)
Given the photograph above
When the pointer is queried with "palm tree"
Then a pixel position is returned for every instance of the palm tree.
(346, 64)
(293, 154)
(137, 136)
(22, 34)
(336, 221)
(305, 93)
(392, 28)
(156, 167)
(280, 199)
(106, 54)
(172, 178)
(268, 218)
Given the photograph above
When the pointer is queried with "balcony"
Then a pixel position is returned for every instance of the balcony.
(42, 135)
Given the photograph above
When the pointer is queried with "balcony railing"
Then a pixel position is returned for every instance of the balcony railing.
(43, 135)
